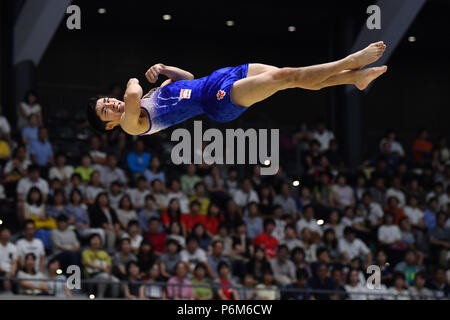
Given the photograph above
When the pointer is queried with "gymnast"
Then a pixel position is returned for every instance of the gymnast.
(223, 95)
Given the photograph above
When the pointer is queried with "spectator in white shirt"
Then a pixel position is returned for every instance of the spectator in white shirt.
(97, 155)
(286, 201)
(246, 194)
(138, 194)
(125, 212)
(308, 246)
(354, 288)
(323, 135)
(175, 192)
(414, 213)
(115, 194)
(351, 247)
(61, 171)
(193, 254)
(389, 233)
(94, 188)
(290, 238)
(334, 224)
(16, 168)
(29, 277)
(280, 223)
(342, 195)
(283, 268)
(372, 211)
(396, 147)
(438, 193)
(32, 180)
(398, 291)
(309, 222)
(30, 244)
(111, 172)
(396, 191)
(8, 258)
(5, 128)
(29, 106)
(231, 182)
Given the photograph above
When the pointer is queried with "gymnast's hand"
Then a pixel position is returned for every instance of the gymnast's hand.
(153, 73)
(131, 81)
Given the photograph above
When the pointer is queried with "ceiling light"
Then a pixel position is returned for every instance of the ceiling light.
(102, 10)
(291, 28)
(230, 23)
(167, 17)
(412, 39)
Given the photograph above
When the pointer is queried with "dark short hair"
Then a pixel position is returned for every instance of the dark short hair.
(94, 235)
(195, 203)
(93, 118)
(33, 167)
(174, 242)
(191, 238)
(3, 228)
(302, 273)
(267, 222)
(349, 230)
(130, 263)
(153, 219)
(27, 222)
(133, 222)
(321, 250)
(200, 265)
(221, 265)
(62, 218)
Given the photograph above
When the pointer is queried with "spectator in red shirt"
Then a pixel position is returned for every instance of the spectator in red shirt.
(422, 147)
(266, 240)
(158, 239)
(194, 217)
(213, 219)
(393, 208)
(226, 292)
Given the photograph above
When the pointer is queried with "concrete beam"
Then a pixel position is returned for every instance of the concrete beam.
(35, 27)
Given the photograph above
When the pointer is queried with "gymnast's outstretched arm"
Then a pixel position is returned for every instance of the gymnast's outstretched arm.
(130, 119)
(173, 73)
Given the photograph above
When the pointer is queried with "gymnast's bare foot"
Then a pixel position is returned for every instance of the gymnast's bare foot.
(366, 76)
(368, 55)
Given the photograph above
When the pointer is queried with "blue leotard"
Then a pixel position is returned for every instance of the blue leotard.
(185, 99)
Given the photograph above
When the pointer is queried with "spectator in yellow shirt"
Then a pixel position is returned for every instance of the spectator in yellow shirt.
(97, 265)
(199, 195)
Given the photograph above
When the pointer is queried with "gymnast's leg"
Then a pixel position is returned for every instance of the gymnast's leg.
(259, 84)
(360, 78)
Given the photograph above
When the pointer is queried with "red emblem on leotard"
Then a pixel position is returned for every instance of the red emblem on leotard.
(220, 94)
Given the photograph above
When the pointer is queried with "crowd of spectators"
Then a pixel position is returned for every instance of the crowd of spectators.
(138, 228)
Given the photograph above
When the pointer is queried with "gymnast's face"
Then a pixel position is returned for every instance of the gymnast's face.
(110, 110)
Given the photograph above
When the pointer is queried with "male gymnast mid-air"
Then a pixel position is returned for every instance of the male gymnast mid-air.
(223, 95)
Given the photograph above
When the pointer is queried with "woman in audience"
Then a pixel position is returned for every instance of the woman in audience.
(133, 289)
(35, 209)
(30, 281)
(125, 212)
(103, 216)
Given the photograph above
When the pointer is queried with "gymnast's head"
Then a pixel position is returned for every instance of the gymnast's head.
(104, 113)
